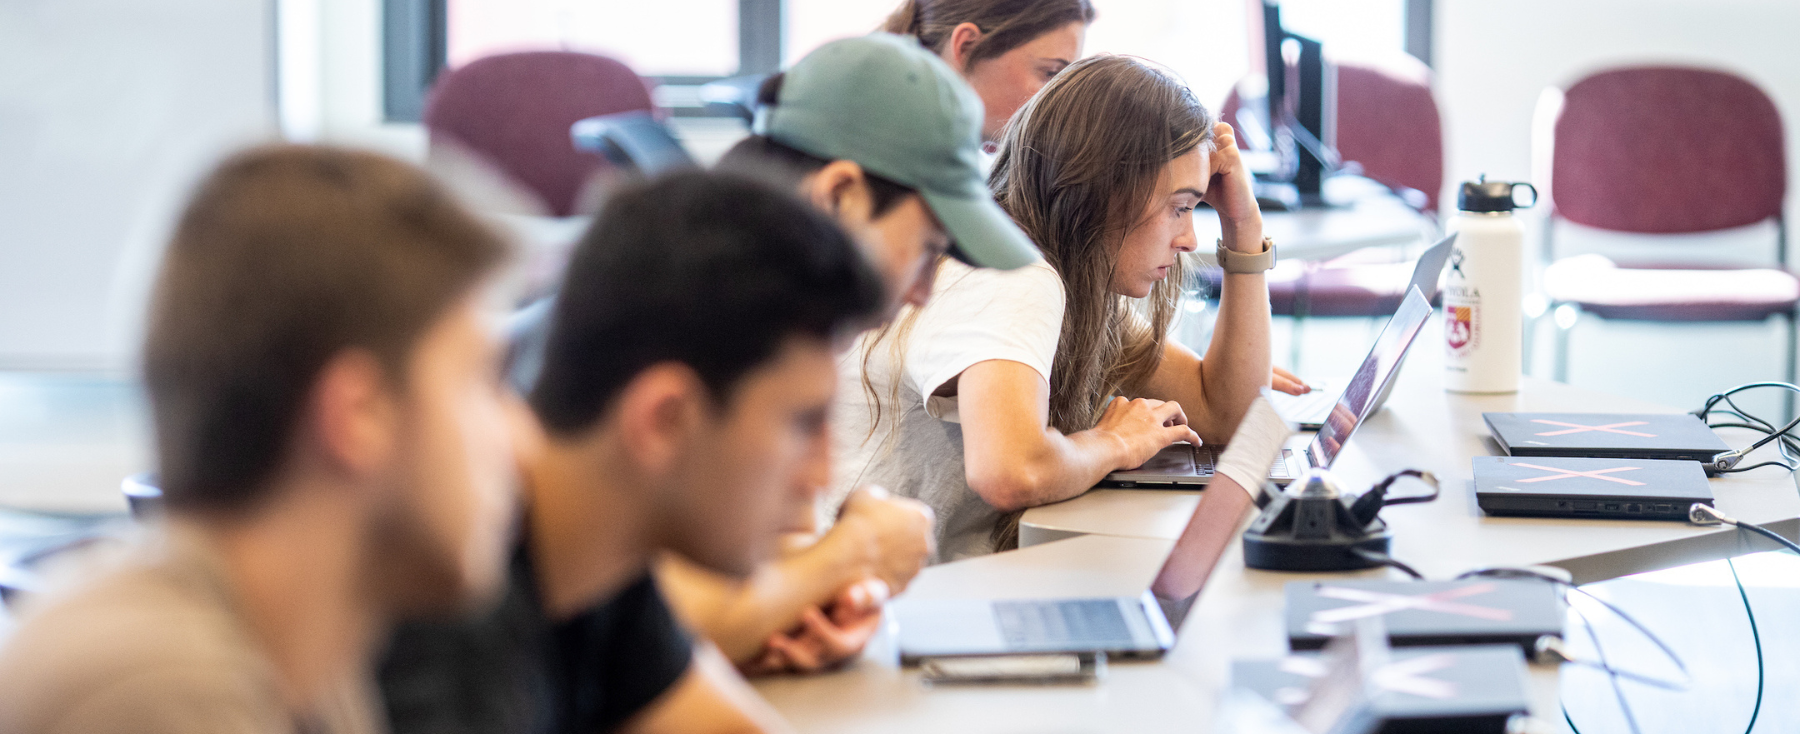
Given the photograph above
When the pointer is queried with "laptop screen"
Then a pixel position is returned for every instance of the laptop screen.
(1376, 370)
(1209, 533)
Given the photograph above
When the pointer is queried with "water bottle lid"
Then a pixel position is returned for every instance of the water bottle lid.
(1482, 195)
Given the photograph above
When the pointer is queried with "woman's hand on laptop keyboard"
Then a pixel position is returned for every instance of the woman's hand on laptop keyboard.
(1142, 427)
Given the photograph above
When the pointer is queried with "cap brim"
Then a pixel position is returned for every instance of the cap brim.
(983, 232)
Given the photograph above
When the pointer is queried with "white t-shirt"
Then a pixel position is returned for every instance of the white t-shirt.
(974, 315)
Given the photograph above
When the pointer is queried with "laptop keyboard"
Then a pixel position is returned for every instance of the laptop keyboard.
(1094, 624)
(1205, 463)
(1313, 407)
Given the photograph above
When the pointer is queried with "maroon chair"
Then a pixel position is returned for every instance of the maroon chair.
(515, 110)
(1665, 150)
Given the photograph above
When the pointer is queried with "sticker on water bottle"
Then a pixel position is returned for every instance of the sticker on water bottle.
(1460, 330)
(1462, 306)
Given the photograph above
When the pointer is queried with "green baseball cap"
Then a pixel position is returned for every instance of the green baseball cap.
(903, 114)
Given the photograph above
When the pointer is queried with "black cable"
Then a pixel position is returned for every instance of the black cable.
(1770, 534)
(1786, 444)
(1737, 469)
(1611, 675)
(1754, 635)
(1516, 573)
(1389, 561)
(1704, 514)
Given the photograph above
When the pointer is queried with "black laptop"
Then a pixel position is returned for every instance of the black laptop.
(1563, 486)
(1470, 612)
(1465, 688)
(1679, 436)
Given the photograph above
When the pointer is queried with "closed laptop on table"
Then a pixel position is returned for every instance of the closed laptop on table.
(1562, 486)
(1678, 436)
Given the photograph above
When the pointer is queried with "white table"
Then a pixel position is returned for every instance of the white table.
(1112, 541)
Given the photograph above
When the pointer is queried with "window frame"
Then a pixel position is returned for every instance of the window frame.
(416, 48)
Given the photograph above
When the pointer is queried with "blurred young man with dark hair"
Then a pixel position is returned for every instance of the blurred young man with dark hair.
(686, 381)
(332, 436)
(886, 137)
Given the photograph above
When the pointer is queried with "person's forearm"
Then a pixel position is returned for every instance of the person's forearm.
(740, 616)
(1062, 467)
(1237, 364)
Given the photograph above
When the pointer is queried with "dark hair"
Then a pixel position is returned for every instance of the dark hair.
(711, 270)
(1005, 24)
(761, 154)
(285, 257)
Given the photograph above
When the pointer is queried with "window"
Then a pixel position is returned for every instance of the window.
(662, 38)
(813, 23)
(1208, 44)
(685, 42)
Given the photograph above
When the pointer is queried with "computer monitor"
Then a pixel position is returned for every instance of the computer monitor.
(1299, 108)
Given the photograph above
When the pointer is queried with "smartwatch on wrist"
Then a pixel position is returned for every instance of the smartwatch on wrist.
(1238, 262)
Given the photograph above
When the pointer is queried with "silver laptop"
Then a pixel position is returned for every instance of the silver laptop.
(1182, 466)
(1309, 410)
(1128, 626)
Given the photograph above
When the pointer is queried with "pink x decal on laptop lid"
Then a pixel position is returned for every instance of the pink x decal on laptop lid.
(1579, 428)
(1571, 473)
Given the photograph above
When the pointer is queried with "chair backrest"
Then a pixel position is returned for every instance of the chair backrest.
(516, 110)
(1388, 122)
(1666, 150)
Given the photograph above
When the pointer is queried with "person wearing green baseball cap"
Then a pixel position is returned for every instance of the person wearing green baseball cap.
(886, 137)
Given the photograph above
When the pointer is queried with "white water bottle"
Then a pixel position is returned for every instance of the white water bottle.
(1483, 324)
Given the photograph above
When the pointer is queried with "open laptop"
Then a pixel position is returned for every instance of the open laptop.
(1128, 626)
(1182, 466)
(1309, 410)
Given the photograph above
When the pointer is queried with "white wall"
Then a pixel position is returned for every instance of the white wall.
(331, 78)
(1495, 58)
(109, 109)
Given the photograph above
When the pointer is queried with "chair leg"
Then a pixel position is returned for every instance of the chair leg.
(1563, 327)
(1294, 341)
(1793, 363)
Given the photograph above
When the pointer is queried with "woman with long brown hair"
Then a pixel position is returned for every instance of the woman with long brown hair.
(1006, 49)
(1015, 389)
